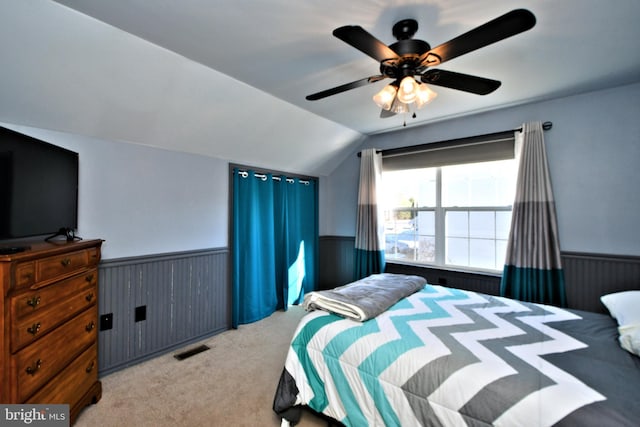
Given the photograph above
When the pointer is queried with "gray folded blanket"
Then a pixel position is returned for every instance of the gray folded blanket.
(366, 298)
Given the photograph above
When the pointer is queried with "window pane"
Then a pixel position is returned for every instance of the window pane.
(426, 228)
(426, 223)
(482, 224)
(482, 253)
(426, 249)
(457, 251)
(409, 188)
(392, 247)
(398, 220)
(479, 184)
(503, 224)
(401, 245)
(457, 224)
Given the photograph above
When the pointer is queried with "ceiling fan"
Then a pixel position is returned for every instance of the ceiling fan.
(408, 60)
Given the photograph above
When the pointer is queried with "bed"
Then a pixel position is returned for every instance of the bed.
(448, 357)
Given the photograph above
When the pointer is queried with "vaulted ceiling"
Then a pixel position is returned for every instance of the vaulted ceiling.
(229, 79)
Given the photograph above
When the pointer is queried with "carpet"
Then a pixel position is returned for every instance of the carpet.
(231, 384)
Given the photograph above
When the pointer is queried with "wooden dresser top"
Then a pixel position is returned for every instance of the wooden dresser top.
(38, 249)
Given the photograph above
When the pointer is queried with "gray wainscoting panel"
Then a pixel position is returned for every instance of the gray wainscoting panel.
(484, 283)
(336, 261)
(589, 276)
(186, 297)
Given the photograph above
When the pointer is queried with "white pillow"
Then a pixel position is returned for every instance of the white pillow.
(630, 338)
(625, 308)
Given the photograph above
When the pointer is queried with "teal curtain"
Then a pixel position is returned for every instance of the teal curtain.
(369, 242)
(533, 269)
(296, 238)
(254, 269)
(275, 243)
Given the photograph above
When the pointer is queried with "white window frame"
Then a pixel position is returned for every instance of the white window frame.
(440, 211)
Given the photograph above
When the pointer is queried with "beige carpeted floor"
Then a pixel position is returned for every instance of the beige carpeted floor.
(232, 384)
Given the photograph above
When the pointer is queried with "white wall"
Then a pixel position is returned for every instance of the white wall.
(593, 151)
(143, 200)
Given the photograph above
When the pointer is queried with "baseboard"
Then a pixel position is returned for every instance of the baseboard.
(160, 352)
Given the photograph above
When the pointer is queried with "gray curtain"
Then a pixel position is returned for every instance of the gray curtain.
(369, 244)
(533, 269)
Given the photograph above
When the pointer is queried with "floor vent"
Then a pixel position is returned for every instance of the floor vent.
(192, 352)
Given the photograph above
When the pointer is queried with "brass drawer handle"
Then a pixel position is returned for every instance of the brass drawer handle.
(90, 327)
(31, 370)
(34, 329)
(33, 302)
(65, 262)
(89, 278)
(90, 367)
(89, 297)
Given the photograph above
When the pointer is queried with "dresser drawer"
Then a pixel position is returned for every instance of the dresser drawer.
(25, 274)
(39, 362)
(36, 312)
(40, 300)
(66, 264)
(73, 382)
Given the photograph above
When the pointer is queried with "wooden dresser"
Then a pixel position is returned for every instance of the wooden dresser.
(49, 334)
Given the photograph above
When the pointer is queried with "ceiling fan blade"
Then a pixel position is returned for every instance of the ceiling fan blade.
(386, 113)
(504, 26)
(344, 87)
(459, 81)
(359, 38)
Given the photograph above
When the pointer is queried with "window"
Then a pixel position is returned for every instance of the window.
(452, 216)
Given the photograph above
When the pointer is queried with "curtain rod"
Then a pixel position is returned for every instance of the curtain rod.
(545, 126)
(458, 141)
(263, 177)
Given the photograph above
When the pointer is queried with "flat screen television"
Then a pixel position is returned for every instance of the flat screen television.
(38, 187)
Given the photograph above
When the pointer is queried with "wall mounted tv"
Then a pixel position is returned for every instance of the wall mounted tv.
(38, 187)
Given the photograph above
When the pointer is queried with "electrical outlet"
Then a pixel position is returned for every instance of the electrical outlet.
(106, 322)
(141, 313)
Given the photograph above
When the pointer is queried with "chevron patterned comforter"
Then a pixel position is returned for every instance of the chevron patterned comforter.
(447, 357)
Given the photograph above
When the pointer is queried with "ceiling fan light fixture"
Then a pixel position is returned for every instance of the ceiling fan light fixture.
(424, 95)
(407, 61)
(408, 90)
(384, 98)
(399, 107)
